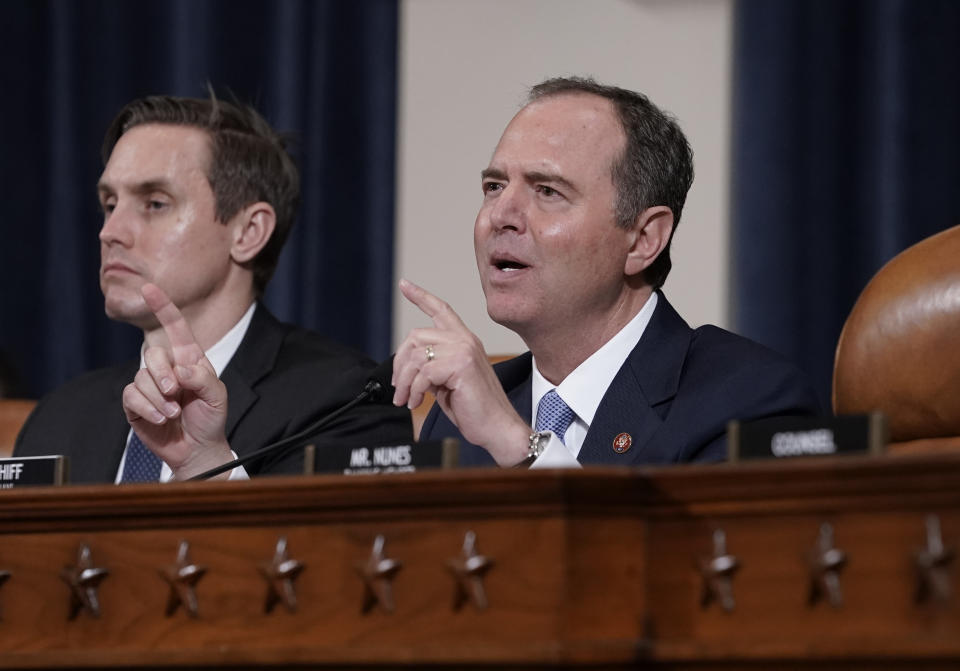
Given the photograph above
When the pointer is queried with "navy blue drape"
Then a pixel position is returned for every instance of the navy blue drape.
(846, 151)
(323, 70)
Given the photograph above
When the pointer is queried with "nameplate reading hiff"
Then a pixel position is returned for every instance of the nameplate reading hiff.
(32, 471)
(783, 437)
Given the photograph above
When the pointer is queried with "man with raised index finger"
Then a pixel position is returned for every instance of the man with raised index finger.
(580, 202)
(198, 197)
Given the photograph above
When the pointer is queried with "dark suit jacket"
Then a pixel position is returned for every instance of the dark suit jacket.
(674, 395)
(279, 380)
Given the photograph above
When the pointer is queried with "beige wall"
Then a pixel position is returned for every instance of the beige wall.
(465, 66)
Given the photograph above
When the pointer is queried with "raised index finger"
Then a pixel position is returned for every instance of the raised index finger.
(439, 311)
(186, 351)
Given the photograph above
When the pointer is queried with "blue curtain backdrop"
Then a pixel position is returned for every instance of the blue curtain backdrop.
(323, 70)
(846, 151)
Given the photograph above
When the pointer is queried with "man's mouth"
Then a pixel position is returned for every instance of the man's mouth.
(508, 264)
(116, 267)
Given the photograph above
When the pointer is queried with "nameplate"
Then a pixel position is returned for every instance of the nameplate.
(785, 437)
(32, 471)
(407, 458)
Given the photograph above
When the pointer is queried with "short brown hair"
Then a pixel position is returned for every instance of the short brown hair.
(656, 167)
(249, 162)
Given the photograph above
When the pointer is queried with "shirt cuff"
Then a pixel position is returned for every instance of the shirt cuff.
(555, 455)
(238, 472)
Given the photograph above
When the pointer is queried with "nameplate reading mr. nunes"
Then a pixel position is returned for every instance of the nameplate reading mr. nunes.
(386, 458)
(26, 471)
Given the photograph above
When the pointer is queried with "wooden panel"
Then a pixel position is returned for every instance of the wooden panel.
(595, 568)
(330, 524)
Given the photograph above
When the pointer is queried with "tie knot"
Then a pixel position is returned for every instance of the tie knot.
(553, 414)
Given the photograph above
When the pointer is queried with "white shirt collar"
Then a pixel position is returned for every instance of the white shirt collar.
(220, 354)
(222, 351)
(583, 389)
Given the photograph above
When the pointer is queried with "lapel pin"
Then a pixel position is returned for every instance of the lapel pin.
(622, 443)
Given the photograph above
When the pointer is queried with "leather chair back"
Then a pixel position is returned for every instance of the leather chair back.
(13, 413)
(899, 351)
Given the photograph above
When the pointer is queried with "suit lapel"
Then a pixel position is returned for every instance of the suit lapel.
(520, 399)
(636, 400)
(113, 432)
(515, 377)
(253, 360)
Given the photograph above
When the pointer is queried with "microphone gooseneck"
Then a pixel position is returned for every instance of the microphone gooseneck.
(376, 389)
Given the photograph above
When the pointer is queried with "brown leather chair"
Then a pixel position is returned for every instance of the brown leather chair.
(421, 411)
(13, 413)
(899, 352)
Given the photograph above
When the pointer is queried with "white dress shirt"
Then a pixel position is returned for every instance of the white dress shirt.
(219, 356)
(583, 389)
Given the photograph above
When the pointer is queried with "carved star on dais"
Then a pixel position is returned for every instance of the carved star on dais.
(183, 577)
(826, 563)
(933, 565)
(280, 574)
(83, 579)
(377, 573)
(469, 571)
(4, 577)
(718, 572)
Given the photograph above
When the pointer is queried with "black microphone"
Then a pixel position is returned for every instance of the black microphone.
(376, 389)
(378, 382)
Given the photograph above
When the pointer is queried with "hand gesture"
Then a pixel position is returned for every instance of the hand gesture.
(448, 360)
(176, 404)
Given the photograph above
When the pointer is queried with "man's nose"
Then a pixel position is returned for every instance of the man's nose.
(510, 209)
(116, 227)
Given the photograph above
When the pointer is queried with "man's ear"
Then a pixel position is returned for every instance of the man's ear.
(650, 236)
(254, 226)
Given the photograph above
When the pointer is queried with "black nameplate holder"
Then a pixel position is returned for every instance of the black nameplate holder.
(33, 471)
(786, 437)
(404, 458)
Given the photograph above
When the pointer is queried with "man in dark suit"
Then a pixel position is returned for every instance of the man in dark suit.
(580, 202)
(198, 198)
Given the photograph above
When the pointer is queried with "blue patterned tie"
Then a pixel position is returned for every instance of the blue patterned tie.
(553, 414)
(140, 464)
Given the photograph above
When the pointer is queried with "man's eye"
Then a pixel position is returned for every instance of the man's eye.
(156, 204)
(547, 191)
(492, 187)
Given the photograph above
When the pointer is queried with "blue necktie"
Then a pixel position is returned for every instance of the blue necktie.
(553, 414)
(140, 464)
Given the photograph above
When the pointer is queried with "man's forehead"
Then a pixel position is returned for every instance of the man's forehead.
(170, 140)
(575, 112)
(555, 127)
(152, 151)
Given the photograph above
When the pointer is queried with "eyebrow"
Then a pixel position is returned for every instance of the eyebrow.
(492, 173)
(140, 188)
